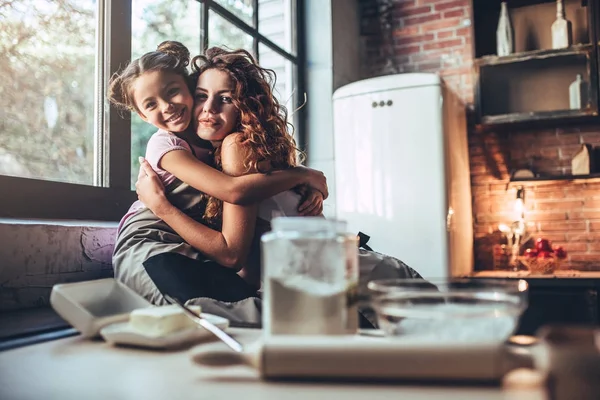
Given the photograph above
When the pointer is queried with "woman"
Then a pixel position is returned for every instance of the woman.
(147, 250)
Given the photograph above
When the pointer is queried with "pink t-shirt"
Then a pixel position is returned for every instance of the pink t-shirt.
(160, 144)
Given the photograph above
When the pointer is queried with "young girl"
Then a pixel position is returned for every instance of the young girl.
(156, 87)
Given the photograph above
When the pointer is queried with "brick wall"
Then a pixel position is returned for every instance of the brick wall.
(436, 36)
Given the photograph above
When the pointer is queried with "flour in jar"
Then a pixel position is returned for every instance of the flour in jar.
(300, 305)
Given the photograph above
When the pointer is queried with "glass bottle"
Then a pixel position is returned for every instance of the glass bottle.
(561, 28)
(504, 35)
(578, 92)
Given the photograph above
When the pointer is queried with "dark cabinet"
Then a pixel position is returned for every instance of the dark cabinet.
(556, 301)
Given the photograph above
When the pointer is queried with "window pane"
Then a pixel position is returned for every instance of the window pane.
(47, 97)
(275, 23)
(154, 21)
(242, 9)
(285, 85)
(223, 33)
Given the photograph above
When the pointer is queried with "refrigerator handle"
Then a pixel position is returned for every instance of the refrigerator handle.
(449, 219)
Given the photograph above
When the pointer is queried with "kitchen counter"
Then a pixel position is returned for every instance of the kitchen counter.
(74, 368)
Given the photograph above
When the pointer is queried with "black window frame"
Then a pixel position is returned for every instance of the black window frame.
(111, 195)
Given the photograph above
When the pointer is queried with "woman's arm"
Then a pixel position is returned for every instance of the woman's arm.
(231, 246)
(245, 189)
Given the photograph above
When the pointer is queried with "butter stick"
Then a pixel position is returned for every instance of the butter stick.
(161, 321)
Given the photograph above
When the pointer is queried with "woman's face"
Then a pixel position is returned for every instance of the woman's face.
(215, 116)
(163, 100)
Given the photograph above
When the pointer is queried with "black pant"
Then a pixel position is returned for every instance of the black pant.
(184, 278)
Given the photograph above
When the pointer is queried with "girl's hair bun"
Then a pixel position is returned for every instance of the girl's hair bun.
(175, 49)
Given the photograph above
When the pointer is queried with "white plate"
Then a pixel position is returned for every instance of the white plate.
(121, 333)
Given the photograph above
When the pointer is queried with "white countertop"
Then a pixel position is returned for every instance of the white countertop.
(74, 368)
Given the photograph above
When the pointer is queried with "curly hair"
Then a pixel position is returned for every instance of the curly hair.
(170, 56)
(262, 121)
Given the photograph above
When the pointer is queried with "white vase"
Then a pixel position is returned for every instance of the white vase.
(578, 94)
(504, 35)
(561, 28)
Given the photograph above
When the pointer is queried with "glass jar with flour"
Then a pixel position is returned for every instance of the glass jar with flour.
(310, 270)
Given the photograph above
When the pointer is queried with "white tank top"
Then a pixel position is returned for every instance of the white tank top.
(284, 204)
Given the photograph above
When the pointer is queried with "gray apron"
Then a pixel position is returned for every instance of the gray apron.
(144, 235)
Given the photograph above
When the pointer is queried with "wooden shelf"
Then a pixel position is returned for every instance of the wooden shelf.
(558, 178)
(490, 120)
(581, 49)
(567, 274)
(530, 88)
(553, 180)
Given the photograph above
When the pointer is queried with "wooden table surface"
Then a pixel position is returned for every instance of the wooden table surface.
(74, 368)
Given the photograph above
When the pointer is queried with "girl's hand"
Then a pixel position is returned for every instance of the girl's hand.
(312, 204)
(316, 180)
(150, 189)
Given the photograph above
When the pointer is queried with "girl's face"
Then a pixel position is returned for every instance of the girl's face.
(215, 116)
(163, 99)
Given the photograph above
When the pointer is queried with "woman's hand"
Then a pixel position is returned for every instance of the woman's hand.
(312, 204)
(150, 190)
(316, 180)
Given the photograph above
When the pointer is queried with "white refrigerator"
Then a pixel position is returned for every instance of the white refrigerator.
(401, 169)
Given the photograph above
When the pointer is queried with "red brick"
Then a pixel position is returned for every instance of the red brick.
(594, 246)
(585, 257)
(443, 44)
(556, 140)
(409, 11)
(407, 31)
(483, 230)
(460, 71)
(547, 216)
(482, 207)
(583, 237)
(421, 19)
(558, 205)
(451, 4)
(421, 57)
(571, 247)
(592, 186)
(549, 195)
(503, 207)
(563, 226)
(466, 32)
(439, 25)
(590, 137)
(493, 218)
(478, 169)
(414, 39)
(575, 215)
(454, 13)
(407, 49)
(429, 66)
(576, 193)
(589, 203)
(445, 34)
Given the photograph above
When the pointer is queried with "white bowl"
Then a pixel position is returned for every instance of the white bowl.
(449, 310)
(91, 305)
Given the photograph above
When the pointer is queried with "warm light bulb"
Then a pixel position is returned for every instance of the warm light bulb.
(520, 203)
(519, 206)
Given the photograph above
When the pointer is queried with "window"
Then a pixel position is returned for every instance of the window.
(264, 25)
(64, 153)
